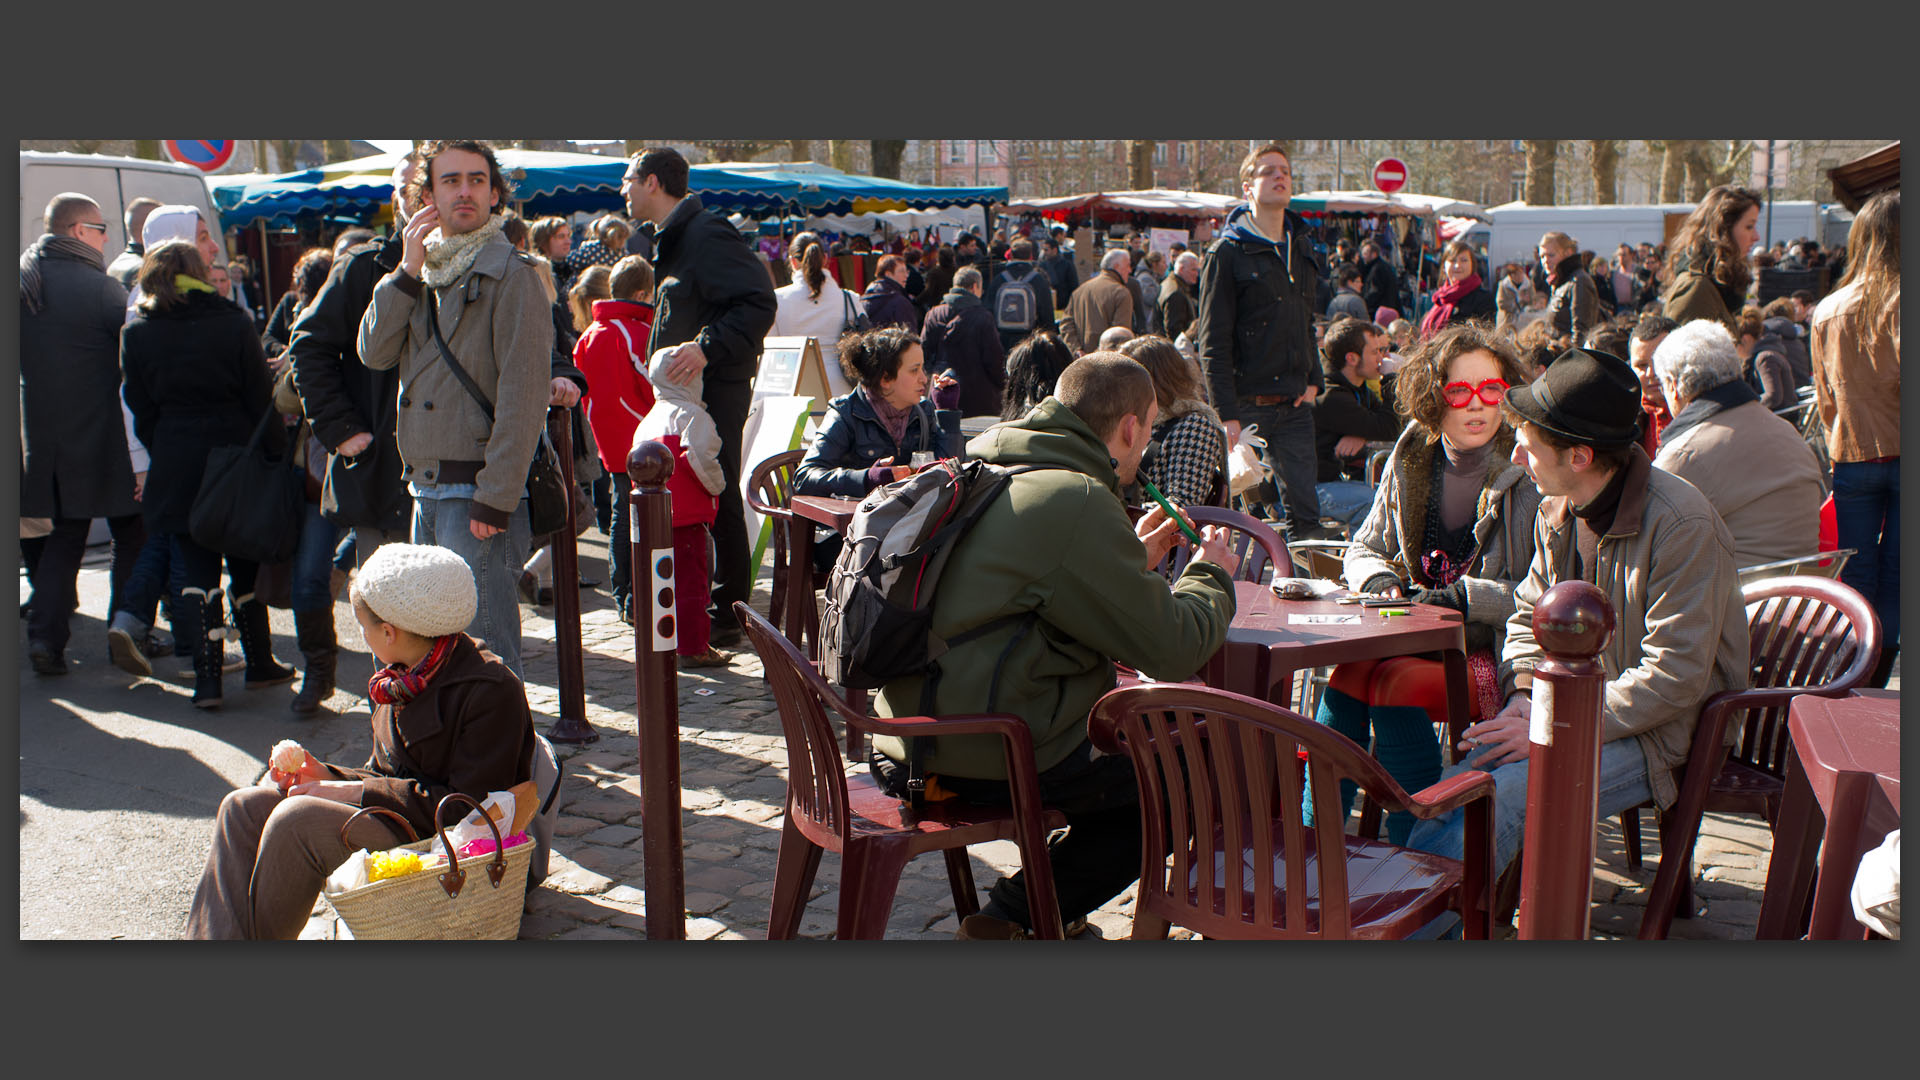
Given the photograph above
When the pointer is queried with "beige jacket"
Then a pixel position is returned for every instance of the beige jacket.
(499, 324)
(1680, 627)
(1104, 301)
(1759, 473)
(1858, 389)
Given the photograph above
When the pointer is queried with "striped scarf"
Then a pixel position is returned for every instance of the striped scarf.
(50, 246)
(396, 684)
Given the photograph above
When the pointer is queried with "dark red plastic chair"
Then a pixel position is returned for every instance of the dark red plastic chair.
(770, 493)
(875, 833)
(1807, 635)
(1261, 551)
(1221, 777)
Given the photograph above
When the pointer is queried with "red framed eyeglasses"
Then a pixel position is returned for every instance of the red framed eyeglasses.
(1457, 394)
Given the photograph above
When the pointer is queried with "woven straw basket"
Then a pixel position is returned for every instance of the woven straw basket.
(480, 901)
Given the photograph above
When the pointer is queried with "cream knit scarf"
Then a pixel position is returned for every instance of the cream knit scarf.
(450, 257)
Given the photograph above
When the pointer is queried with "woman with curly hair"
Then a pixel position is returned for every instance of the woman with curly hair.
(1452, 525)
(308, 275)
(1033, 366)
(1710, 251)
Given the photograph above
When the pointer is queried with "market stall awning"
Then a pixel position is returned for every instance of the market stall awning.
(1373, 202)
(824, 190)
(1858, 180)
(549, 182)
(1119, 204)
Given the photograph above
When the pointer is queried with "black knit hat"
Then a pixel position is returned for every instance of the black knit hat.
(1588, 396)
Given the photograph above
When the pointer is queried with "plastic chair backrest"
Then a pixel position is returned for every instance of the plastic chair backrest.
(770, 484)
(1255, 542)
(816, 782)
(1807, 633)
(1221, 776)
(1825, 564)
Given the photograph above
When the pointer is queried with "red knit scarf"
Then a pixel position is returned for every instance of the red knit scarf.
(396, 684)
(1444, 298)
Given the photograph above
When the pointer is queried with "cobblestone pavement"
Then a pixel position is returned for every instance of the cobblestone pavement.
(733, 774)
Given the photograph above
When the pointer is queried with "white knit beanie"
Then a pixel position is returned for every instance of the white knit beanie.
(419, 588)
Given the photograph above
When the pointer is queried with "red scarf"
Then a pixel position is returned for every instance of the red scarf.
(1444, 298)
(396, 684)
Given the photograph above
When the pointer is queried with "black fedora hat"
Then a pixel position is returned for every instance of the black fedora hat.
(1588, 396)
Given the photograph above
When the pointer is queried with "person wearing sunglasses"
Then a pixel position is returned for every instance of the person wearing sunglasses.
(1452, 525)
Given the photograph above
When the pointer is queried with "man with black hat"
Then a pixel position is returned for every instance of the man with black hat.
(1660, 552)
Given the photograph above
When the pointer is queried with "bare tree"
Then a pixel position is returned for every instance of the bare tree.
(886, 156)
(1605, 160)
(336, 150)
(840, 154)
(799, 149)
(1541, 158)
(1139, 164)
(148, 149)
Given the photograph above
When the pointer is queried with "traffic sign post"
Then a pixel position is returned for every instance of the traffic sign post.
(207, 155)
(1389, 175)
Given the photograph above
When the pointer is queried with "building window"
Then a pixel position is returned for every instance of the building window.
(1519, 186)
(1520, 145)
(956, 152)
(1159, 153)
(1180, 152)
(988, 153)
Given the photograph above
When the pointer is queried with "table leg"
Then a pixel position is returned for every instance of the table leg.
(799, 599)
(1796, 840)
(1840, 850)
(1459, 699)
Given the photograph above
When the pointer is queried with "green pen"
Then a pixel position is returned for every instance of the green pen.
(1171, 512)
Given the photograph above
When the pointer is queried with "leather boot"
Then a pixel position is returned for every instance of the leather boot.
(256, 642)
(197, 618)
(314, 630)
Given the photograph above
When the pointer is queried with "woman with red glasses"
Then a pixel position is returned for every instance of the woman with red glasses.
(1452, 524)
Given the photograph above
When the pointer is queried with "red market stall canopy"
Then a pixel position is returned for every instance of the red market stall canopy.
(1126, 205)
(1857, 180)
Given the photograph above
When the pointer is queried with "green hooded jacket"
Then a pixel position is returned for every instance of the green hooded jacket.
(1057, 542)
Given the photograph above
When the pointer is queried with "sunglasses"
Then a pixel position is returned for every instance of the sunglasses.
(91, 225)
(1457, 394)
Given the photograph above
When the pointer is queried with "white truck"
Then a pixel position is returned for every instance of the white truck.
(1514, 234)
(113, 182)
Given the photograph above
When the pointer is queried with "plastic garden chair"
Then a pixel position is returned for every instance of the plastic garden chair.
(770, 492)
(1225, 851)
(876, 834)
(1807, 636)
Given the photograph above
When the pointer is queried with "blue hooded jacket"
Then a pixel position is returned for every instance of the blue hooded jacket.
(1255, 325)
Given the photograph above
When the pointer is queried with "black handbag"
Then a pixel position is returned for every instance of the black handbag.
(251, 506)
(547, 498)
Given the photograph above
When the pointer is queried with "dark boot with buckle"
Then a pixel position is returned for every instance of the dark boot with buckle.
(256, 642)
(314, 631)
(197, 618)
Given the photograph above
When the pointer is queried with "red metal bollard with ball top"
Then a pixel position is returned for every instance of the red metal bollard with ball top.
(1572, 622)
(569, 654)
(656, 680)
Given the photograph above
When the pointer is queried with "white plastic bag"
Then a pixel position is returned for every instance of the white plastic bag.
(1245, 467)
(499, 806)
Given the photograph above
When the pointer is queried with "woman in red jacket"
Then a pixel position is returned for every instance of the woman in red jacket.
(612, 354)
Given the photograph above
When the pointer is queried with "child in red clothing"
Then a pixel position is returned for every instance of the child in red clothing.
(611, 353)
(680, 423)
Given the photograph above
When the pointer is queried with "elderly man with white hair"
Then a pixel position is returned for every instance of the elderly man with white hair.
(1104, 300)
(1752, 466)
(1176, 310)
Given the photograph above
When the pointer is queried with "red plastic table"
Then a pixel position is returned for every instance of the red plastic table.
(1842, 798)
(809, 510)
(1265, 645)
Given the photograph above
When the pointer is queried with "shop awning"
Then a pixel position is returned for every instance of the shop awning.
(1397, 205)
(824, 190)
(1858, 180)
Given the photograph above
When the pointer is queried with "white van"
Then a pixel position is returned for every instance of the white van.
(113, 182)
(1517, 227)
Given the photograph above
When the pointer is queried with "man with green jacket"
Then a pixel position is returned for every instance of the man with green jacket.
(1057, 545)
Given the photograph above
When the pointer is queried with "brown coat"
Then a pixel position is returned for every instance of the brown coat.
(1857, 387)
(470, 731)
(1680, 628)
(1103, 301)
(1759, 473)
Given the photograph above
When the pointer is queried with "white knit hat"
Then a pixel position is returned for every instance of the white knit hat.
(419, 588)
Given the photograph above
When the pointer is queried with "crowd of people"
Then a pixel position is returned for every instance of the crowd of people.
(1617, 422)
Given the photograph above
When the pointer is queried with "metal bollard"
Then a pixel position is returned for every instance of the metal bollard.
(1572, 622)
(569, 656)
(656, 679)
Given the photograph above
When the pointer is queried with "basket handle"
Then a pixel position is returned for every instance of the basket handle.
(455, 878)
(412, 837)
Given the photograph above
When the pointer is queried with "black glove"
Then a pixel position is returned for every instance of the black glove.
(1379, 583)
(1452, 596)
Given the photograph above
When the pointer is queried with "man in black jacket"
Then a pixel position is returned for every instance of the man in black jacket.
(1175, 311)
(1382, 287)
(1061, 273)
(1021, 267)
(959, 338)
(713, 307)
(1257, 291)
(1349, 416)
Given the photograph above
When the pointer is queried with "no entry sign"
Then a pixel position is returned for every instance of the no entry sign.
(1389, 175)
(203, 154)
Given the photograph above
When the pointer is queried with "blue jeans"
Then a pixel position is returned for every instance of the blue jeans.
(1292, 456)
(1866, 514)
(313, 561)
(1348, 500)
(496, 563)
(1623, 784)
